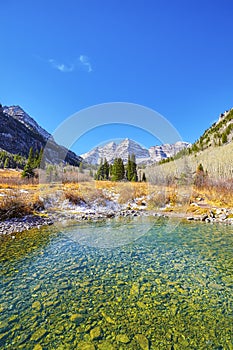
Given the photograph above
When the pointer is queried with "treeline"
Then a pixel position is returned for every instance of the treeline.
(13, 161)
(118, 171)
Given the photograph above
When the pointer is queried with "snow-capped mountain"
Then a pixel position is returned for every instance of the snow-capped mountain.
(158, 153)
(19, 114)
(19, 132)
(112, 150)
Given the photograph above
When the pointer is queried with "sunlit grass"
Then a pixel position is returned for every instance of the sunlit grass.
(176, 198)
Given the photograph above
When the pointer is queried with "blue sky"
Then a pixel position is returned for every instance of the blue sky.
(174, 56)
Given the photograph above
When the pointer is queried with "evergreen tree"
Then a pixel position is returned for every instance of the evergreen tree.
(110, 169)
(118, 170)
(40, 163)
(106, 169)
(28, 170)
(35, 159)
(129, 173)
(100, 171)
(134, 168)
(131, 169)
(6, 163)
(103, 170)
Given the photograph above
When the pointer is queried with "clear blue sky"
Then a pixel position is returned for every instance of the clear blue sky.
(174, 56)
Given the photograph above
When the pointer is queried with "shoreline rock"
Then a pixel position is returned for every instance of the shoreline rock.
(16, 225)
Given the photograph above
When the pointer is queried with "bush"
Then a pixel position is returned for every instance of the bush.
(14, 205)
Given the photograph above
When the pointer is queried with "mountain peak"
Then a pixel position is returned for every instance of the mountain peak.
(19, 114)
(19, 132)
(127, 147)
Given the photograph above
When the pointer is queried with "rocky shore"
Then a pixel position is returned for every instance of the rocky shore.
(25, 223)
(28, 222)
(215, 215)
(96, 213)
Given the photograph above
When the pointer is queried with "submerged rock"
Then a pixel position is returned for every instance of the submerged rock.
(134, 291)
(38, 334)
(106, 345)
(36, 305)
(96, 333)
(86, 346)
(76, 318)
(108, 318)
(122, 338)
(37, 347)
(142, 341)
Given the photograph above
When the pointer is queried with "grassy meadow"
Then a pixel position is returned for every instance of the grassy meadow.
(19, 197)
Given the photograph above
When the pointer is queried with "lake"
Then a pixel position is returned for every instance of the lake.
(118, 284)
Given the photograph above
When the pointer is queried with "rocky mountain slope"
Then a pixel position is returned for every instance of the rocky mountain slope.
(218, 134)
(19, 132)
(143, 156)
(214, 150)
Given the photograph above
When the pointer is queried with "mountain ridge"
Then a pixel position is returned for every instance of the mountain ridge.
(19, 132)
(127, 147)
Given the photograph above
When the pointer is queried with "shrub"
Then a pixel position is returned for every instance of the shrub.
(15, 205)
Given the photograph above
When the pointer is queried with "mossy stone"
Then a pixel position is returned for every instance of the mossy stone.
(36, 305)
(37, 347)
(134, 291)
(108, 318)
(95, 333)
(122, 338)
(38, 334)
(86, 346)
(106, 345)
(142, 341)
(76, 318)
(4, 326)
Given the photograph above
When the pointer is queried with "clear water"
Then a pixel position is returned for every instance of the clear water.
(66, 289)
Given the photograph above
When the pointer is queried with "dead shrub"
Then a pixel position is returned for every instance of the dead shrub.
(157, 200)
(126, 193)
(74, 197)
(15, 205)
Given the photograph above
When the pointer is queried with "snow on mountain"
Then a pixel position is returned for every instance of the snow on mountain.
(127, 147)
(94, 156)
(19, 132)
(111, 150)
(158, 153)
(19, 114)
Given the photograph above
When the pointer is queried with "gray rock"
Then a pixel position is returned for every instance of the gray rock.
(222, 217)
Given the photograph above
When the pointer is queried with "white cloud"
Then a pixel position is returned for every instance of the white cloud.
(82, 62)
(61, 66)
(85, 62)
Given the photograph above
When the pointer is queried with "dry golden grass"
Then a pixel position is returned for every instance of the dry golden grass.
(19, 197)
(16, 204)
(217, 196)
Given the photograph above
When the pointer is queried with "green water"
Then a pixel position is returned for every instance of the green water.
(63, 288)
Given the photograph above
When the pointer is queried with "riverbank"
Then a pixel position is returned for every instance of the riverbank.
(79, 214)
(34, 206)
